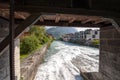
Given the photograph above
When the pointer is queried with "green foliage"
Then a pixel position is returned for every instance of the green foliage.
(40, 33)
(96, 42)
(28, 44)
(36, 38)
(60, 39)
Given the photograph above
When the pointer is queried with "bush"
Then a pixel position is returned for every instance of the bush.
(29, 44)
(37, 37)
(96, 42)
(40, 33)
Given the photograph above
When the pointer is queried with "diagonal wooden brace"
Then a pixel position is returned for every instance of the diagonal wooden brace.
(20, 30)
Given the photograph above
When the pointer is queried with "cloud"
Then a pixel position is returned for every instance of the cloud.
(77, 28)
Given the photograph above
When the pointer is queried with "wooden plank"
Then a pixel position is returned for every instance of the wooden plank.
(116, 23)
(4, 18)
(72, 20)
(86, 21)
(27, 23)
(20, 29)
(80, 11)
(41, 19)
(66, 23)
(57, 19)
(19, 15)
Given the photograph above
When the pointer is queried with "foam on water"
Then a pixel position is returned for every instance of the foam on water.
(58, 65)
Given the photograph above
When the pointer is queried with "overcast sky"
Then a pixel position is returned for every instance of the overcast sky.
(83, 29)
(77, 28)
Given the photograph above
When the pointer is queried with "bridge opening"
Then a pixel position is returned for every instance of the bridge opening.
(68, 46)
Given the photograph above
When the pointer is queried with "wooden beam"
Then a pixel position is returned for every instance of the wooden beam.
(27, 23)
(86, 21)
(100, 21)
(71, 20)
(4, 18)
(66, 23)
(57, 19)
(115, 23)
(4, 13)
(4, 5)
(41, 19)
(20, 29)
(38, 9)
(22, 16)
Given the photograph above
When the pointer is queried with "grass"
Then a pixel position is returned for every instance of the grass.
(23, 56)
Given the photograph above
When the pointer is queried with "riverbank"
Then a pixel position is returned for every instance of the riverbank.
(83, 43)
(29, 65)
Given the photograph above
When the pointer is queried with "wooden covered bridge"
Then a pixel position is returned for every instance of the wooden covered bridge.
(17, 15)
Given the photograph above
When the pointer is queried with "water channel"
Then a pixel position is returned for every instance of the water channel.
(63, 61)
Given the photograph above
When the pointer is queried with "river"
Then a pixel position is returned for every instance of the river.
(63, 61)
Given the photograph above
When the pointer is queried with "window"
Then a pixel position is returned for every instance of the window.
(93, 36)
(85, 36)
(82, 36)
(96, 32)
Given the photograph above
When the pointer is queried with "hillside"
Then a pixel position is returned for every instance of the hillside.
(59, 31)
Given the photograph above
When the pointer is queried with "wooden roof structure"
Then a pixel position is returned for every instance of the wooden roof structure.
(56, 19)
(53, 19)
(90, 13)
(75, 13)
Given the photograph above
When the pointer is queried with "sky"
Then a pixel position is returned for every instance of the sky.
(77, 28)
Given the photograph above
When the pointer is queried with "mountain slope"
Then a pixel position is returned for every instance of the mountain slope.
(59, 31)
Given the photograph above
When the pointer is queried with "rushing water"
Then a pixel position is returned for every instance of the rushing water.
(59, 64)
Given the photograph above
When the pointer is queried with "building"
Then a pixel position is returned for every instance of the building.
(67, 37)
(87, 35)
(91, 34)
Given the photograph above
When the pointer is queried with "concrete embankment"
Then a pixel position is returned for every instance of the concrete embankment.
(29, 65)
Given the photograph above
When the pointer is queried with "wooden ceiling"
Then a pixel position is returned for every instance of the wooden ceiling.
(64, 12)
(54, 19)
(107, 5)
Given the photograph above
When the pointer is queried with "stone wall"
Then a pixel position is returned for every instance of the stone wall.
(4, 65)
(29, 66)
(17, 59)
(110, 53)
(109, 64)
(4, 29)
(4, 55)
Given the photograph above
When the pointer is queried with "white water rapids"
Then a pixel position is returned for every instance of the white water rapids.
(58, 63)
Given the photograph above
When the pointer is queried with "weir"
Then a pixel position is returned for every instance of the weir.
(92, 13)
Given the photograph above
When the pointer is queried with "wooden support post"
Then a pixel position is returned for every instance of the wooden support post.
(11, 41)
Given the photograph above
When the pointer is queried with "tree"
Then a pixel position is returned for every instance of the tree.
(29, 44)
(36, 38)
